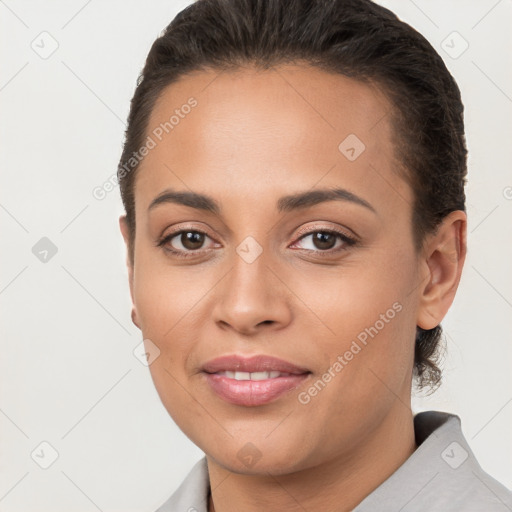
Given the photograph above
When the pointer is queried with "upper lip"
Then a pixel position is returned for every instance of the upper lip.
(257, 363)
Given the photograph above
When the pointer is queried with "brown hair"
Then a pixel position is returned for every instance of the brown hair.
(355, 38)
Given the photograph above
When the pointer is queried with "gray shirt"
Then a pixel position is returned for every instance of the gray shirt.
(442, 475)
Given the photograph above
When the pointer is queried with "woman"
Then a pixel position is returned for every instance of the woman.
(293, 178)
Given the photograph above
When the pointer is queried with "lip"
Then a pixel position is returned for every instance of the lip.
(258, 363)
(251, 393)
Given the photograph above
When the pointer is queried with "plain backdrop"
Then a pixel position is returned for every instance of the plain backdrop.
(69, 376)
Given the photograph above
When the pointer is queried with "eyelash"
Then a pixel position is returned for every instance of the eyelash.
(347, 241)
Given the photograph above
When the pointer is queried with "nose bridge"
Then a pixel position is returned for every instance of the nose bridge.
(251, 294)
(249, 275)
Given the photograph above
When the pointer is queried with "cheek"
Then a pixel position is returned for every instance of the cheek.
(164, 306)
(349, 298)
(366, 315)
(165, 296)
(370, 361)
(164, 301)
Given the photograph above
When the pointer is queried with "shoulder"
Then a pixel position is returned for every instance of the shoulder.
(192, 494)
(442, 474)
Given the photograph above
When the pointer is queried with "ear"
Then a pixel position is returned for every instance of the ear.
(444, 255)
(125, 231)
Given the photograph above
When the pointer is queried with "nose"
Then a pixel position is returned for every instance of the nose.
(252, 298)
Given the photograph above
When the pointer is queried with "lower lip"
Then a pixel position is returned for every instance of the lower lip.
(251, 393)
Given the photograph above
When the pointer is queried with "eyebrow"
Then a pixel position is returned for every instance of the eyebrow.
(284, 204)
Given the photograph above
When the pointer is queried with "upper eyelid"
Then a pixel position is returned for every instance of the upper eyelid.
(301, 233)
(348, 233)
(172, 234)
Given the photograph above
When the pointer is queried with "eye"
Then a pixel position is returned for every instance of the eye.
(324, 240)
(185, 243)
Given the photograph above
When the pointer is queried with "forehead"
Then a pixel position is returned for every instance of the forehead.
(252, 131)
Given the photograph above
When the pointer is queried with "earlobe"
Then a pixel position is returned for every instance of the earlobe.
(444, 260)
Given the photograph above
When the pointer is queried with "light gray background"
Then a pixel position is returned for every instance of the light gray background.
(68, 373)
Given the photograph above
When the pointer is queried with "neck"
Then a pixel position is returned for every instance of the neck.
(337, 485)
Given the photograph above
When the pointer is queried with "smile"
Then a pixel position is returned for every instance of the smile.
(252, 381)
(253, 375)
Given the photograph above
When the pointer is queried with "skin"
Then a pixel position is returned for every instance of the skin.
(254, 137)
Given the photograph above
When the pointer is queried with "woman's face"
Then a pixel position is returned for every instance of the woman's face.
(327, 284)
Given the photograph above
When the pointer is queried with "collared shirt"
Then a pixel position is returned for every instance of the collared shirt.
(442, 475)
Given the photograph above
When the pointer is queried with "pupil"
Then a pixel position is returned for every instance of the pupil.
(323, 240)
(192, 239)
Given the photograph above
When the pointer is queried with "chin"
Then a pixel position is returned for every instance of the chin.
(256, 459)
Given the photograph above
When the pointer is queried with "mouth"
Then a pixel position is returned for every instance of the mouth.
(253, 381)
(253, 375)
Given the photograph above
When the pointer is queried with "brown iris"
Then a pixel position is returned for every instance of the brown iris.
(324, 240)
(192, 240)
